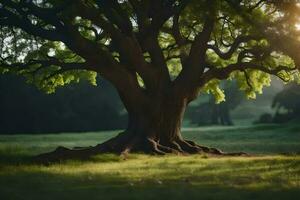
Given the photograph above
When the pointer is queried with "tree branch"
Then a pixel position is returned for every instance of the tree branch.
(43, 64)
(223, 73)
(113, 11)
(8, 18)
(278, 39)
(195, 64)
(235, 45)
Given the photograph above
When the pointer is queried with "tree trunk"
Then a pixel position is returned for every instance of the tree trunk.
(153, 128)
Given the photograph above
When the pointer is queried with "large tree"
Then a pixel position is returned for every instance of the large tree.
(159, 54)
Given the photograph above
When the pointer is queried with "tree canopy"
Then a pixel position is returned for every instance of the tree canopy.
(54, 43)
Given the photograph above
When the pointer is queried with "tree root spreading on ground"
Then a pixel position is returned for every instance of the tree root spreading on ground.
(122, 145)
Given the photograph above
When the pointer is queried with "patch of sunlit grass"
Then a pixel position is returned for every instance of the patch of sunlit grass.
(247, 172)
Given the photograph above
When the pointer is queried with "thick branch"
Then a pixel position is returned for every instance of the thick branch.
(193, 68)
(132, 59)
(223, 73)
(113, 11)
(235, 45)
(8, 18)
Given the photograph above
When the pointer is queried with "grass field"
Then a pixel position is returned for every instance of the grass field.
(272, 173)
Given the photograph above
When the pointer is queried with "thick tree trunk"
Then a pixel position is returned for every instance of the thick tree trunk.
(152, 128)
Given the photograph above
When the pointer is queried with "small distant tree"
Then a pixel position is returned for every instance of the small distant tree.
(287, 103)
(211, 112)
(158, 54)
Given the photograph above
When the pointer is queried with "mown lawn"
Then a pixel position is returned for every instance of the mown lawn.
(268, 174)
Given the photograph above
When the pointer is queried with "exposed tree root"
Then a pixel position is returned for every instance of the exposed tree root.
(123, 144)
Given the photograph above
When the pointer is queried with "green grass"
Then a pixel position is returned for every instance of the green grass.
(267, 175)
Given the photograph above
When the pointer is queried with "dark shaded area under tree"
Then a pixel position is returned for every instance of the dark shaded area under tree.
(77, 107)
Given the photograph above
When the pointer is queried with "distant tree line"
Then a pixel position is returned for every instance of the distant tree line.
(78, 107)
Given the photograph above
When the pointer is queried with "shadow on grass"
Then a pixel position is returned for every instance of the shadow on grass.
(42, 185)
(109, 177)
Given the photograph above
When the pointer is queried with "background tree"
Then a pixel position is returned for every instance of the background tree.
(210, 112)
(158, 54)
(221, 112)
(287, 104)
